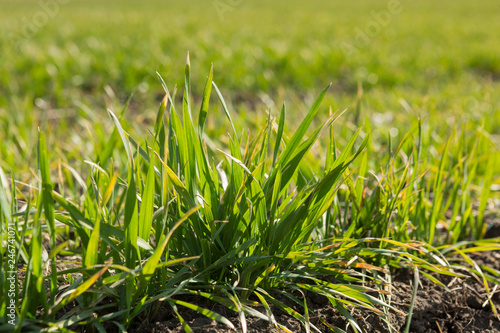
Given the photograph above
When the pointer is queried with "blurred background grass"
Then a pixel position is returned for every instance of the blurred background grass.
(64, 62)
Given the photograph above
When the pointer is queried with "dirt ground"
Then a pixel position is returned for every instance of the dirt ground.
(435, 310)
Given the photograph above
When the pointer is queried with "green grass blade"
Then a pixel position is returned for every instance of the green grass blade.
(224, 107)
(279, 134)
(205, 102)
(48, 205)
(147, 203)
(301, 131)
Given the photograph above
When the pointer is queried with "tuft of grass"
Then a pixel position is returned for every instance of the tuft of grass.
(256, 221)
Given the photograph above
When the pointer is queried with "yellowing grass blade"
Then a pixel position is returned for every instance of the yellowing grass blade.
(74, 293)
(150, 266)
(207, 313)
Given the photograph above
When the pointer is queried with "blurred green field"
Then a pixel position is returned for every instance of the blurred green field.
(94, 174)
(440, 60)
